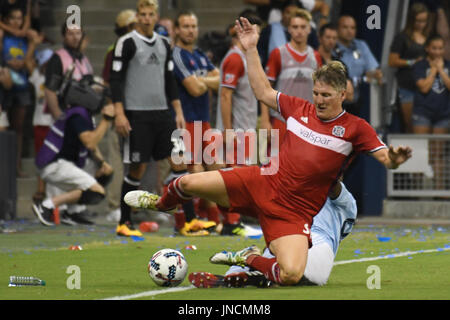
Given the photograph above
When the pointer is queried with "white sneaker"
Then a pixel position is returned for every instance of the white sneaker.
(113, 216)
(144, 200)
(253, 233)
(235, 258)
(141, 199)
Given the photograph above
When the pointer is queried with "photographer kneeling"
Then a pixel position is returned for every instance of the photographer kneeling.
(63, 156)
(64, 163)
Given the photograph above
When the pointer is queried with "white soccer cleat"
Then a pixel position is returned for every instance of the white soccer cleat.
(252, 232)
(142, 199)
(235, 258)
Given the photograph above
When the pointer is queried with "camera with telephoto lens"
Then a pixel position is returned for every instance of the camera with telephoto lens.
(81, 93)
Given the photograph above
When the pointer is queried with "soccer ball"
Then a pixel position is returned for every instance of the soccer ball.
(167, 268)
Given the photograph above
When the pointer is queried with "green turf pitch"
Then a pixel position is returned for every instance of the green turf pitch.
(117, 267)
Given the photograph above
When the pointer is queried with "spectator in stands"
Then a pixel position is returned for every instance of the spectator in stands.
(432, 6)
(42, 120)
(290, 68)
(276, 34)
(328, 40)
(407, 48)
(443, 28)
(36, 15)
(196, 76)
(431, 112)
(25, 7)
(320, 11)
(25, 30)
(270, 10)
(168, 25)
(264, 7)
(18, 54)
(359, 59)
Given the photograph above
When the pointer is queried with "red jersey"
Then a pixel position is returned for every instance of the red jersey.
(233, 69)
(289, 56)
(314, 153)
(233, 73)
(292, 72)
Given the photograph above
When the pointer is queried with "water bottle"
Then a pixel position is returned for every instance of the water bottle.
(15, 281)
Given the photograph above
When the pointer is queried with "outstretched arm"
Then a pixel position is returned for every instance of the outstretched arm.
(442, 25)
(392, 158)
(248, 36)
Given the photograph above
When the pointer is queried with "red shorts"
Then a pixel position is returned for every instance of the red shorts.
(250, 194)
(195, 151)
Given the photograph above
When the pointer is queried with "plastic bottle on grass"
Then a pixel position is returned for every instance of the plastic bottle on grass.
(15, 281)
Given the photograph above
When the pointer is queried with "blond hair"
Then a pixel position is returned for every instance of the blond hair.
(300, 13)
(125, 18)
(333, 73)
(147, 3)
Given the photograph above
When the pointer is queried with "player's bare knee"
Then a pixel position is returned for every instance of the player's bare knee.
(291, 273)
(290, 277)
(186, 183)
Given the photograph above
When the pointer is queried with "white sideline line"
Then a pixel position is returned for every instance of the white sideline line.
(179, 289)
(389, 256)
(150, 293)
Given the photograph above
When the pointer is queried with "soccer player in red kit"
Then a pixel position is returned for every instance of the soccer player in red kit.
(321, 140)
(290, 68)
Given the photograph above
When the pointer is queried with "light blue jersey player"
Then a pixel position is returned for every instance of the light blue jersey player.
(330, 226)
(335, 220)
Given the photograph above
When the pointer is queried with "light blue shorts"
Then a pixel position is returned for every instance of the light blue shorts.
(405, 95)
(424, 121)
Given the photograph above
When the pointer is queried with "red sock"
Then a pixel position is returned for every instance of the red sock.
(229, 217)
(173, 196)
(180, 219)
(268, 266)
(213, 214)
(200, 208)
(202, 204)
